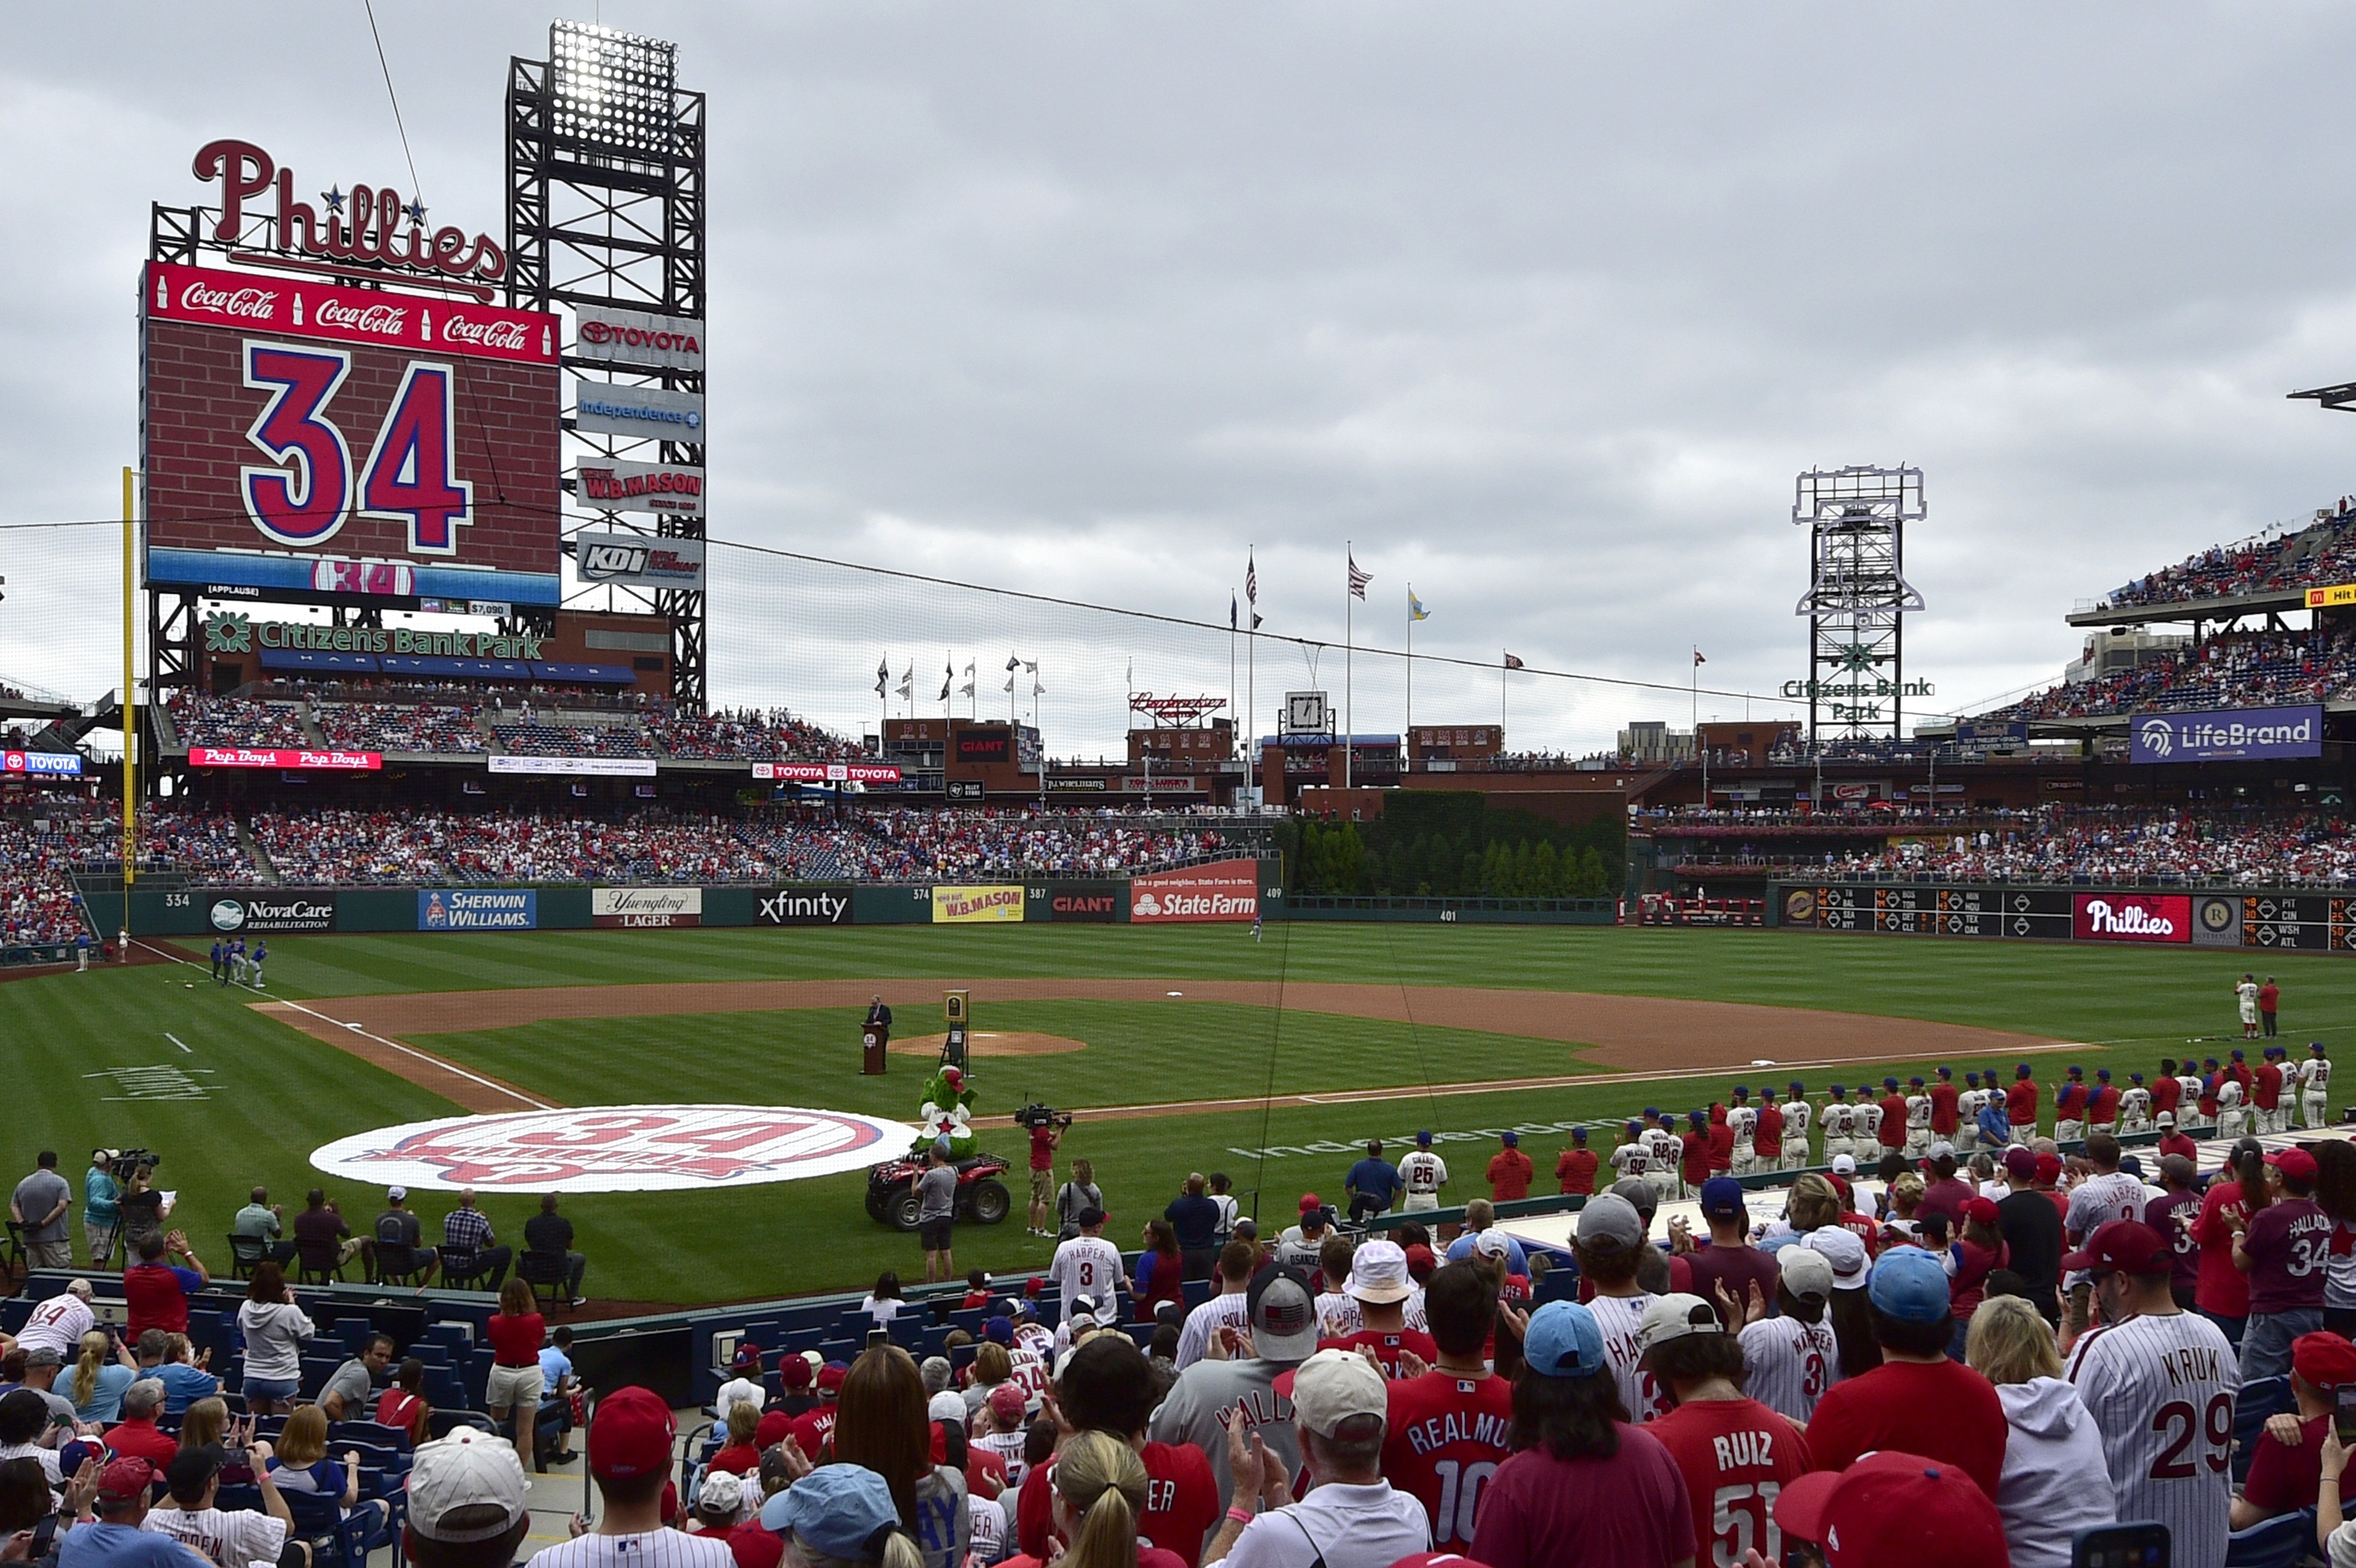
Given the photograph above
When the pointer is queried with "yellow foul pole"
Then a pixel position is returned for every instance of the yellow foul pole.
(129, 703)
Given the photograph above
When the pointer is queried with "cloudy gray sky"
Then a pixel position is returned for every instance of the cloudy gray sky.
(1543, 305)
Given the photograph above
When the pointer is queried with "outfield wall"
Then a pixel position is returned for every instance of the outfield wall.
(2258, 919)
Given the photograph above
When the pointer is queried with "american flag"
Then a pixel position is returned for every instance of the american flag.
(1358, 580)
(1251, 580)
(1513, 663)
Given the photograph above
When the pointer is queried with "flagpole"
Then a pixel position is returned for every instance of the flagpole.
(1349, 725)
(1695, 721)
(1251, 675)
(1502, 667)
(1406, 724)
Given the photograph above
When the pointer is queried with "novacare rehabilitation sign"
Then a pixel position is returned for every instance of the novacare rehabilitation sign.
(616, 1148)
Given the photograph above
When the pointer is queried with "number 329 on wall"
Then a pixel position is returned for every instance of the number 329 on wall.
(410, 473)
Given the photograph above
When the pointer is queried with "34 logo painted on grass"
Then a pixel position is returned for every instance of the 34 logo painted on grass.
(617, 1148)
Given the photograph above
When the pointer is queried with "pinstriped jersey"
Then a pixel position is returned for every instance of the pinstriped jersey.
(664, 1548)
(2161, 1389)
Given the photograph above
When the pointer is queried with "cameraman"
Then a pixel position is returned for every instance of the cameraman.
(1047, 1134)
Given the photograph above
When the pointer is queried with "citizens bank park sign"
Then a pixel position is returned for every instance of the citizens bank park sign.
(617, 1148)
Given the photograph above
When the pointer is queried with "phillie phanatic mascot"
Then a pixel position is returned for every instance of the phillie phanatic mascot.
(947, 1110)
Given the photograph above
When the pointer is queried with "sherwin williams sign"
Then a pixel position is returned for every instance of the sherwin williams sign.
(953, 906)
(477, 909)
(2132, 917)
(2221, 736)
(1227, 890)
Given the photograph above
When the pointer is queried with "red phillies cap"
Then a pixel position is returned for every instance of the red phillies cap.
(126, 1478)
(2128, 1245)
(1421, 1262)
(1892, 1508)
(1981, 1209)
(2295, 1163)
(630, 1435)
(2049, 1168)
(2326, 1361)
(793, 1371)
(1311, 1203)
(830, 1376)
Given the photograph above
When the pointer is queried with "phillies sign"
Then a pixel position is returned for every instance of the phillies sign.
(617, 1148)
(328, 312)
(2132, 917)
(370, 236)
(2221, 736)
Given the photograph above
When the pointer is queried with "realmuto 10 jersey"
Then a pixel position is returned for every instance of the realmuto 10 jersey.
(1446, 1436)
(2161, 1389)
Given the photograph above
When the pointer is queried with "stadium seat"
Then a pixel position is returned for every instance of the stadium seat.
(370, 1433)
(398, 1264)
(316, 1265)
(453, 1336)
(245, 1253)
(13, 1259)
(336, 1540)
(2259, 1399)
(2283, 1542)
(544, 1272)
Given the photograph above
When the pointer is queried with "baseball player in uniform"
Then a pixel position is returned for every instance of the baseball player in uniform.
(1743, 1120)
(1840, 1124)
(2161, 1384)
(1918, 1119)
(2245, 1001)
(1632, 1157)
(1968, 1109)
(2232, 1119)
(2102, 1110)
(2069, 1107)
(1865, 1129)
(2191, 1089)
(1423, 1174)
(1668, 1152)
(2266, 1094)
(2134, 1106)
(2314, 1082)
(1797, 1113)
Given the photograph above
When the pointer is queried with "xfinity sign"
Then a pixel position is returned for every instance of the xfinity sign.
(2224, 736)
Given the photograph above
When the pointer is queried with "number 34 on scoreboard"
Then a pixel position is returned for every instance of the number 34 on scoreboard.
(411, 473)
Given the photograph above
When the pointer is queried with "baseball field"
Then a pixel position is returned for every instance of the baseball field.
(1179, 1049)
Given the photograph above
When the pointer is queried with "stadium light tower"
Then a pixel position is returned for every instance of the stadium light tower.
(1857, 596)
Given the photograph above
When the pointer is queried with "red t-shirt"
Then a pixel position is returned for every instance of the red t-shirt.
(1721, 1147)
(1893, 1121)
(1768, 1138)
(1864, 1230)
(397, 1408)
(1182, 1504)
(1695, 1163)
(2269, 994)
(812, 1431)
(1944, 1116)
(754, 1547)
(2270, 1088)
(1043, 1149)
(2020, 1110)
(1973, 1265)
(2174, 1142)
(1574, 1167)
(1736, 1454)
(156, 1295)
(2164, 1094)
(985, 1471)
(1509, 1175)
(139, 1440)
(1444, 1437)
(2283, 1478)
(2289, 1242)
(1943, 1410)
(1538, 1511)
(515, 1337)
(2172, 1214)
(1386, 1346)
(2222, 1289)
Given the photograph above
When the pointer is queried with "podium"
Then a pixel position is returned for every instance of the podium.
(872, 1038)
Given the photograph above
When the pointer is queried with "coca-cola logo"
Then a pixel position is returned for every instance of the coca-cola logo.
(385, 320)
(488, 333)
(254, 304)
(616, 1148)
(605, 332)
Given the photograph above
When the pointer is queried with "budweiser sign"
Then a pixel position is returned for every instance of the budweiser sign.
(2133, 917)
(272, 757)
(616, 1148)
(284, 307)
(370, 235)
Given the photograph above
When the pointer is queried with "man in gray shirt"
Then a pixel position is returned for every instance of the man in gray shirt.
(1281, 1314)
(350, 1390)
(937, 1213)
(39, 1205)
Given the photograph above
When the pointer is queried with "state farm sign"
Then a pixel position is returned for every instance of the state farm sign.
(2132, 917)
(1226, 889)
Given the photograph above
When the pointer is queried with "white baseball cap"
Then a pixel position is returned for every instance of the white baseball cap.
(1378, 1273)
(1844, 1165)
(467, 1486)
(1333, 1386)
(1845, 1251)
(946, 1405)
(1493, 1244)
(723, 1490)
(1677, 1317)
(1806, 1272)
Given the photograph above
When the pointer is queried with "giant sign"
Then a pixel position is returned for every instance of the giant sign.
(616, 1148)
(1225, 890)
(313, 440)
(369, 236)
(2226, 734)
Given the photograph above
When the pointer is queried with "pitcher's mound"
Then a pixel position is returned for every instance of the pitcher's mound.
(981, 1042)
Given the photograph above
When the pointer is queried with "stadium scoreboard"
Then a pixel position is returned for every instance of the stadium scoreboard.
(1917, 910)
(2299, 922)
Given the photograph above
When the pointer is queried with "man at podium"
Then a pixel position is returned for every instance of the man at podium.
(879, 1017)
(874, 1034)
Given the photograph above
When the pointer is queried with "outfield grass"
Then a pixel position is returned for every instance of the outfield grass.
(274, 1094)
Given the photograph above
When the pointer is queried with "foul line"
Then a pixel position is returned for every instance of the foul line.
(176, 1040)
(407, 1051)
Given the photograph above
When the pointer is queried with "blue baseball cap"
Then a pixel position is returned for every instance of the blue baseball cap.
(1509, 1137)
(835, 1510)
(1564, 1341)
(1908, 1284)
(1651, 1110)
(1697, 1117)
(2021, 1070)
(1000, 1330)
(2132, 1077)
(1741, 1091)
(1798, 1087)
(1892, 1083)
(1837, 1091)
(1635, 1126)
(2237, 1054)
(1721, 1199)
(1578, 1135)
(2076, 1071)
(2314, 1045)
(2104, 1073)
(1946, 1072)
(1423, 1138)
(1968, 1077)
(1914, 1082)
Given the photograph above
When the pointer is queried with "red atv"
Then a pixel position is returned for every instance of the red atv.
(981, 1196)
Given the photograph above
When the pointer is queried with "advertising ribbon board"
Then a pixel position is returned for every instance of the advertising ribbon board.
(646, 909)
(2227, 734)
(803, 906)
(828, 772)
(296, 761)
(262, 912)
(59, 764)
(2332, 597)
(585, 767)
(1226, 889)
(2132, 917)
(477, 909)
(958, 906)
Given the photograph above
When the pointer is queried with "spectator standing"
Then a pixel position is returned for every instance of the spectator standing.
(1423, 1174)
(630, 1443)
(1946, 1192)
(2269, 1001)
(2161, 1383)
(468, 1503)
(1193, 1220)
(470, 1253)
(2173, 1214)
(1378, 1288)
(2235, 1196)
(259, 1222)
(39, 1204)
(1227, 1308)
(1793, 1355)
(1575, 1166)
(1301, 1245)
(1043, 1143)
(1730, 1260)
(1918, 1401)
(1509, 1169)
(101, 1216)
(1214, 1395)
(2031, 1228)
(154, 1293)
(2335, 1189)
(1976, 1254)
(1372, 1184)
(2288, 1465)
(1734, 1452)
(274, 1330)
(515, 1330)
(2283, 1250)
(59, 1323)
(2173, 1141)
(141, 1207)
(2052, 1449)
(1076, 1196)
(1609, 1242)
(1584, 1489)
(549, 1234)
(1351, 1517)
(1892, 1509)
(1161, 1271)
(880, 1422)
(883, 1302)
(1453, 1420)
(937, 1213)
(1481, 1215)
(1087, 1265)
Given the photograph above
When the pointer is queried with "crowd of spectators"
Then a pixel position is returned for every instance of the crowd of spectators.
(749, 733)
(2287, 849)
(915, 845)
(2324, 552)
(535, 739)
(236, 722)
(446, 728)
(2236, 669)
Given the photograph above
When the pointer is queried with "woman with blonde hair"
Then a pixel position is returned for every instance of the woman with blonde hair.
(880, 1424)
(1814, 1203)
(1098, 1493)
(992, 1366)
(207, 1424)
(100, 1374)
(2051, 1445)
(299, 1463)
